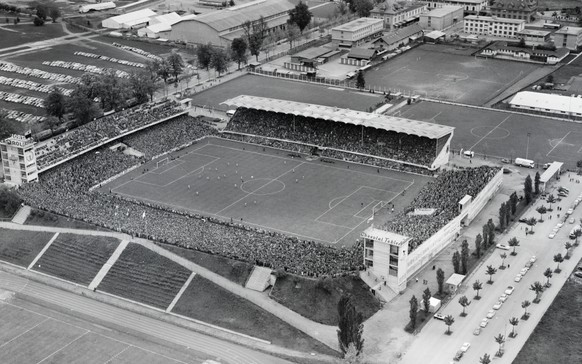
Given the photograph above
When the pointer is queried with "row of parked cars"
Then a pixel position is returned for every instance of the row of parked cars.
(21, 99)
(21, 116)
(33, 72)
(138, 51)
(30, 85)
(110, 59)
(84, 68)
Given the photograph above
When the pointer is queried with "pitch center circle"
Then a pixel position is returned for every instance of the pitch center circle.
(487, 133)
(262, 186)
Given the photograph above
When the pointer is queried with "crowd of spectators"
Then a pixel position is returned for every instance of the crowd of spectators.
(443, 195)
(329, 134)
(100, 130)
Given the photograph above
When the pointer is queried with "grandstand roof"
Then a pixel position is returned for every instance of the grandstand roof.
(555, 103)
(383, 122)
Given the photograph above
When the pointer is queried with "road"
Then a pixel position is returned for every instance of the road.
(222, 350)
(433, 346)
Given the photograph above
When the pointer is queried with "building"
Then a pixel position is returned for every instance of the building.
(356, 32)
(505, 50)
(160, 23)
(470, 6)
(399, 37)
(441, 18)
(96, 7)
(492, 26)
(568, 37)
(221, 27)
(398, 14)
(514, 9)
(18, 160)
(453, 283)
(133, 20)
(548, 104)
(534, 37)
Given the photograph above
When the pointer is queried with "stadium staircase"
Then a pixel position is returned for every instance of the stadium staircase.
(381, 291)
(259, 279)
(21, 215)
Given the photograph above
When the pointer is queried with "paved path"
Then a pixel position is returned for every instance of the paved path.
(107, 266)
(44, 249)
(324, 333)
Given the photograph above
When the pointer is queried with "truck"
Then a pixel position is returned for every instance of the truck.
(524, 162)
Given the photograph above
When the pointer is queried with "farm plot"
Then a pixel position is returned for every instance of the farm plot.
(21, 247)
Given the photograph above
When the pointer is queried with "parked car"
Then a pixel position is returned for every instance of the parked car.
(465, 347)
(517, 278)
(502, 246)
(560, 224)
(505, 160)
(578, 274)
(522, 219)
(439, 316)
(497, 306)
(458, 355)
(509, 290)
(503, 297)
(533, 259)
(477, 331)
(571, 220)
(523, 271)
(569, 212)
(552, 235)
(484, 322)
(528, 264)
(490, 314)
(562, 194)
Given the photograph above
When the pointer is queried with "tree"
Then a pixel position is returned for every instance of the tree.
(300, 15)
(413, 311)
(83, 108)
(363, 7)
(525, 304)
(507, 212)
(500, 339)
(270, 44)
(360, 80)
(142, 86)
(485, 359)
(558, 259)
(541, 210)
(513, 242)
(41, 11)
(503, 257)
(502, 213)
(426, 295)
(55, 103)
(531, 222)
(477, 286)
(537, 183)
(9, 201)
(464, 256)
(351, 356)
(440, 279)
(478, 241)
(491, 235)
(204, 55)
(550, 199)
(550, 78)
(456, 262)
(164, 70)
(464, 302)
(176, 64)
(538, 288)
(231, 3)
(255, 34)
(38, 21)
(490, 272)
(350, 326)
(514, 199)
(292, 33)
(577, 234)
(548, 274)
(485, 237)
(568, 246)
(449, 320)
(514, 321)
(113, 91)
(528, 189)
(219, 61)
(54, 13)
(238, 51)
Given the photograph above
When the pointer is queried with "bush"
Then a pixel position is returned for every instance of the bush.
(38, 21)
(9, 202)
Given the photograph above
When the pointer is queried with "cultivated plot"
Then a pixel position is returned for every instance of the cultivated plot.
(232, 181)
(430, 71)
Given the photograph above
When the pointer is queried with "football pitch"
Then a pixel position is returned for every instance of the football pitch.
(269, 189)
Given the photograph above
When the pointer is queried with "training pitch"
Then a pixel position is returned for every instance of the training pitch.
(443, 72)
(270, 189)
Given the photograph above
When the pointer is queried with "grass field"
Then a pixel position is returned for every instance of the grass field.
(144, 276)
(21, 247)
(556, 338)
(436, 72)
(16, 35)
(208, 302)
(230, 180)
(76, 258)
(501, 134)
(317, 299)
(286, 90)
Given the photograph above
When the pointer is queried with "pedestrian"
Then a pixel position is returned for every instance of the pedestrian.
(416, 280)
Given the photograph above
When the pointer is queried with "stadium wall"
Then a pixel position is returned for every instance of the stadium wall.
(444, 155)
(451, 231)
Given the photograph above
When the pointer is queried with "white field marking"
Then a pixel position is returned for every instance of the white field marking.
(118, 354)
(44, 249)
(338, 198)
(579, 150)
(71, 342)
(558, 143)
(365, 208)
(32, 328)
(433, 118)
(490, 131)
(195, 171)
(256, 189)
(177, 297)
(342, 200)
(332, 224)
(174, 165)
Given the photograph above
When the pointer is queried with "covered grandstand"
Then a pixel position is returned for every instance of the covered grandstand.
(405, 141)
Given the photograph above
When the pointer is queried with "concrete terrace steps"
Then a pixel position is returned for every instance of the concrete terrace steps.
(259, 279)
(21, 215)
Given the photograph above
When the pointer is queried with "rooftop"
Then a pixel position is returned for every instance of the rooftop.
(133, 16)
(551, 171)
(17, 140)
(438, 12)
(455, 279)
(494, 18)
(394, 7)
(541, 33)
(515, 4)
(402, 33)
(548, 101)
(357, 24)
(384, 236)
(569, 30)
(347, 116)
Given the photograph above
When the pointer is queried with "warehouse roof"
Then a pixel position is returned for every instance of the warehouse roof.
(551, 102)
(347, 116)
(133, 16)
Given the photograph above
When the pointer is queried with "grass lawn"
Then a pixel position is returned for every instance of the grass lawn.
(233, 270)
(43, 218)
(15, 35)
(205, 301)
(317, 299)
(77, 258)
(21, 247)
(556, 339)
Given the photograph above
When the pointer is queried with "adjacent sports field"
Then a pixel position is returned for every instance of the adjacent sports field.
(271, 190)
(441, 72)
(503, 134)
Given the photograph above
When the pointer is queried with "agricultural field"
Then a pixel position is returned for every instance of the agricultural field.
(76, 258)
(21, 247)
(144, 276)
